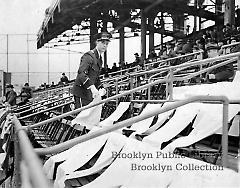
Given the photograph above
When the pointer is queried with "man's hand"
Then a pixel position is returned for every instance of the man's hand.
(95, 92)
(102, 91)
(211, 76)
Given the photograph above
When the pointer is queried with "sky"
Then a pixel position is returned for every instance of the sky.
(25, 17)
(21, 17)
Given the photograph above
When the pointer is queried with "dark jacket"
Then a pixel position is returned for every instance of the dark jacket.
(11, 97)
(88, 74)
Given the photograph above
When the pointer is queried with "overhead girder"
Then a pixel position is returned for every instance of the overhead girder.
(74, 11)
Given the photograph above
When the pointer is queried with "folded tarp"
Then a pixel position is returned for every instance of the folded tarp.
(157, 169)
(67, 170)
(89, 117)
(182, 172)
(94, 144)
(161, 119)
(208, 121)
(234, 129)
(119, 172)
(143, 125)
(182, 117)
(229, 89)
(63, 156)
(121, 108)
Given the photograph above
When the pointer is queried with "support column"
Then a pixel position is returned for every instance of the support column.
(195, 18)
(121, 45)
(151, 32)
(143, 35)
(93, 31)
(178, 23)
(218, 12)
(104, 28)
(229, 12)
(123, 16)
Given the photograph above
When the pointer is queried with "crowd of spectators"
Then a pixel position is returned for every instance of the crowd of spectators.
(206, 40)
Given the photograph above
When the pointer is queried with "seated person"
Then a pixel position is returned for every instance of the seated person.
(64, 79)
(26, 94)
(169, 53)
(114, 67)
(223, 73)
(11, 96)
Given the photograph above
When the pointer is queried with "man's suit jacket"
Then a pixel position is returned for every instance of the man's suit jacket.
(88, 74)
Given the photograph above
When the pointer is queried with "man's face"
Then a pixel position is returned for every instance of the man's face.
(102, 45)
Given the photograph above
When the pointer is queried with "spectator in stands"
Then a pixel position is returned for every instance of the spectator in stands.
(220, 50)
(114, 67)
(223, 73)
(227, 31)
(25, 95)
(11, 96)
(162, 48)
(152, 54)
(201, 46)
(52, 84)
(137, 60)
(214, 34)
(64, 79)
(187, 48)
(169, 51)
(178, 46)
(234, 30)
(87, 83)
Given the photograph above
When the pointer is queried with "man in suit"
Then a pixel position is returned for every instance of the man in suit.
(87, 83)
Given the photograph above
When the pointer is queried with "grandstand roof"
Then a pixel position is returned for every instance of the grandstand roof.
(63, 14)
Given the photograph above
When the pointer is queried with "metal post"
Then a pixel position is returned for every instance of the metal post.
(69, 73)
(116, 85)
(131, 87)
(170, 88)
(28, 58)
(238, 63)
(7, 52)
(149, 91)
(225, 135)
(48, 65)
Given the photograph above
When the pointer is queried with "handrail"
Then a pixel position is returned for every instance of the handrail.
(160, 61)
(230, 45)
(45, 110)
(223, 99)
(177, 57)
(182, 68)
(166, 80)
(32, 161)
(58, 100)
(198, 62)
(98, 103)
(53, 90)
(19, 108)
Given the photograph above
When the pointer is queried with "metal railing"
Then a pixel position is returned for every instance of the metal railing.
(224, 100)
(30, 158)
(130, 92)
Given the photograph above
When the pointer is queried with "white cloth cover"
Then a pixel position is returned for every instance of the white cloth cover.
(161, 119)
(49, 165)
(89, 117)
(122, 173)
(66, 170)
(208, 121)
(234, 129)
(143, 125)
(121, 108)
(182, 117)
